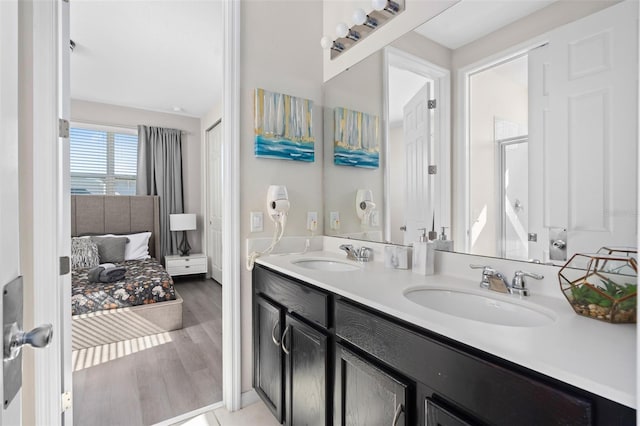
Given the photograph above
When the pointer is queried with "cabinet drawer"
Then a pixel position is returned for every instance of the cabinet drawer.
(486, 390)
(305, 301)
(187, 270)
(187, 262)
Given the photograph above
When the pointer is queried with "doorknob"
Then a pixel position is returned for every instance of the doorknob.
(15, 339)
(403, 228)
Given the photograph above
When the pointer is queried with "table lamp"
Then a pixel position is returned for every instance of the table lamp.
(183, 222)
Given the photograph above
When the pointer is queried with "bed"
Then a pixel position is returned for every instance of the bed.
(146, 302)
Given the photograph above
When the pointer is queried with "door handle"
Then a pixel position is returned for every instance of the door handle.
(15, 339)
(273, 333)
(403, 228)
(283, 344)
(396, 415)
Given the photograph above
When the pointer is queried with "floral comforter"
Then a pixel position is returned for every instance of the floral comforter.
(146, 281)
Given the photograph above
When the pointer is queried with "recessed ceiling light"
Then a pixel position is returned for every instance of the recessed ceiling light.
(177, 109)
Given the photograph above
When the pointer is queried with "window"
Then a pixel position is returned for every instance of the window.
(103, 160)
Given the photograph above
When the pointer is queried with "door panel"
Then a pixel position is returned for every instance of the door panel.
(584, 91)
(268, 360)
(365, 395)
(9, 200)
(306, 374)
(214, 201)
(417, 135)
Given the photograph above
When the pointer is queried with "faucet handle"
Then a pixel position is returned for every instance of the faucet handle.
(518, 279)
(487, 271)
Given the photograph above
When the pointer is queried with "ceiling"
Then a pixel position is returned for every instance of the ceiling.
(469, 20)
(160, 55)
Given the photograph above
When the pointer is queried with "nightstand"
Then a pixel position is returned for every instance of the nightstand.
(195, 263)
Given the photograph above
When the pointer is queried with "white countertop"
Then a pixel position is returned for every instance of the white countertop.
(592, 355)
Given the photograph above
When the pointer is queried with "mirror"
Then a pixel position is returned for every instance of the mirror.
(530, 151)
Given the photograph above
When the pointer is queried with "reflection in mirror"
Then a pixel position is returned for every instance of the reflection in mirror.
(543, 108)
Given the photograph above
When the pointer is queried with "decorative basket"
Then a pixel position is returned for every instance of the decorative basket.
(602, 285)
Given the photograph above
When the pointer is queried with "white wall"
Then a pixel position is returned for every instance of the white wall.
(280, 52)
(97, 113)
(492, 95)
(357, 89)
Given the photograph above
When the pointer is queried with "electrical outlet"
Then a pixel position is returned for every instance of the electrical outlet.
(375, 218)
(257, 222)
(334, 220)
(312, 221)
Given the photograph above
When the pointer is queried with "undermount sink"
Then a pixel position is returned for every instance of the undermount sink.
(331, 265)
(480, 307)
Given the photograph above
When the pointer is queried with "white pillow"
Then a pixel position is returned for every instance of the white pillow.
(138, 246)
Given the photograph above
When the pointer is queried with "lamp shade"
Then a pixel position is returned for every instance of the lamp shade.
(182, 222)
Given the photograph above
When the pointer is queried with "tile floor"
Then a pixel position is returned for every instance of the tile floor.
(253, 415)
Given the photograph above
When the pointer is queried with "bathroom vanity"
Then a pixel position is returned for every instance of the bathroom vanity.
(351, 347)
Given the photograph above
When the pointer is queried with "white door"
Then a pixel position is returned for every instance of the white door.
(9, 201)
(418, 154)
(214, 201)
(586, 102)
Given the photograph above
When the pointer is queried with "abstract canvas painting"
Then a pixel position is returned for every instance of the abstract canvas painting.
(356, 139)
(283, 126)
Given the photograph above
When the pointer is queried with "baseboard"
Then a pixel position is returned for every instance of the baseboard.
(248, 398)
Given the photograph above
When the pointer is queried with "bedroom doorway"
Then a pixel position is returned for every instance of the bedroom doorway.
(161, 376)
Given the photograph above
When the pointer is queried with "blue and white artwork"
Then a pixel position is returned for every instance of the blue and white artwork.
(283, 127)
(356, 139)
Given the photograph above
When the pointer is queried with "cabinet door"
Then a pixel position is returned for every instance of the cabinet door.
(268, 358)
(436, 415)
(306, 378)
(365, 395)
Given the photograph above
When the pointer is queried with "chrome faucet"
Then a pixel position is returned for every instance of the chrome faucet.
(360, 254)
(494, 280)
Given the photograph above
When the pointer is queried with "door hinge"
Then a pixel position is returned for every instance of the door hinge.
(431, 104)
(64, 265)
(67, 401)
(63, 128)
(433, 169)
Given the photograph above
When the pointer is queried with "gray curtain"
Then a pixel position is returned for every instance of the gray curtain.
(160, 173)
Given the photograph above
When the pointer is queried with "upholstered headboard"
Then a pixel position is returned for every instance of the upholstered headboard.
(117, 214)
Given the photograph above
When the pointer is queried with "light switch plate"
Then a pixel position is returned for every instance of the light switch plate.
(257, 222)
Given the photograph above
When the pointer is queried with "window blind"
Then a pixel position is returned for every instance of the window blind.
(103, 162)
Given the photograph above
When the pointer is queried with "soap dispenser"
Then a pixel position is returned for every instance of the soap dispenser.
(423, 254)
(443, 243)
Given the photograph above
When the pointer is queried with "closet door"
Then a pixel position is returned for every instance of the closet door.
(214, 201)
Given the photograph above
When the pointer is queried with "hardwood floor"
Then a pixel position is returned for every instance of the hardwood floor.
(165, 380)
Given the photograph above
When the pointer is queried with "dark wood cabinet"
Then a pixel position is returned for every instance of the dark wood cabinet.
(306, 373)
(365, 395)
(321, 359)
(290, 349)
(268, 355)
